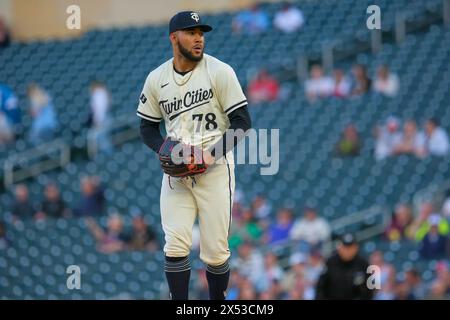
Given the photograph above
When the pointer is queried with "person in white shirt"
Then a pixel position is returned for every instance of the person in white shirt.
(100, 104)
(386, 82)
(411, 141)
(388, 138)
(311, 229)
(289, 19)
(249, 262)
(318, 86)
(435, 139)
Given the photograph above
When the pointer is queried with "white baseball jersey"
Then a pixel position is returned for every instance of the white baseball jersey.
(193, 106)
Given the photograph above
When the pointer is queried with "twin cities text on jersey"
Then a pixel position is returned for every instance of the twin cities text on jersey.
(190, 99)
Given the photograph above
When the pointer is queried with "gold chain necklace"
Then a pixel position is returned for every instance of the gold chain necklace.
(181, 84)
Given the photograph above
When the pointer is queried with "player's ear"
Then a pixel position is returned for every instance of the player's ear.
(173, 36)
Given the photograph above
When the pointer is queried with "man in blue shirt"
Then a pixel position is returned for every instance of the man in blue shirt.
(9, 105)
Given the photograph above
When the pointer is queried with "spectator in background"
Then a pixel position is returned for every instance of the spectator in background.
(274, 292)
(361, 81)
(345, 273)
(387, 270)
(9, 106)
(318, 85)
(313, 270)
(272, 271)
(386, 292)
(410, 141)
(92, 199)
(433, 245)
(249, 263)
(386, 82)
(245, 228)
(6, 133)
(142, 236)
(440, 286)
(342, 84)
(414, 281)
(387, 289)
(110, 240)
(349, 145)
(5, 38)
(297, 293)
(311, 231)
(435, 140)
(264, 88)
(295, 275)
(421, 226)
(22, 207)
(4, 241)
(99, 119)
(388, 138)
(261, 209)
(403, 291)
(400, 226)
(251, 21)
(438, 291)
(289, 19)
(53, 205)
(45, 123)
(278, 232)
(247, 291)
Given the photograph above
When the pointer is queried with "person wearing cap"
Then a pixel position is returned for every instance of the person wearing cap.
(422, 224)
(200, 100)
(433, 245)
(345, 273)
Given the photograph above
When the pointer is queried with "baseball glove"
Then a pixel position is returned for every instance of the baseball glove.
(181, 160)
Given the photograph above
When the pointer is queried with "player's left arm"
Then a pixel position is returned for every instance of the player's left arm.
(234, 104)
(151, 135)
(239, 119)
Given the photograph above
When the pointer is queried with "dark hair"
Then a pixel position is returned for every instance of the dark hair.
(434, 121)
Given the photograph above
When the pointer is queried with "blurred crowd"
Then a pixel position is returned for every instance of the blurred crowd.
(319, 85)
(45, 125)
(284, 258)
(255, 20)
(392, 139)
(90, 207)
(430, 229)
(277, 256)
(265, 88)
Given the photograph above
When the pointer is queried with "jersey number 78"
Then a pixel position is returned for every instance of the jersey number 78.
(210, 119)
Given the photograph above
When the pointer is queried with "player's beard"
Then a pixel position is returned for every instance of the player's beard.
(185, 53)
